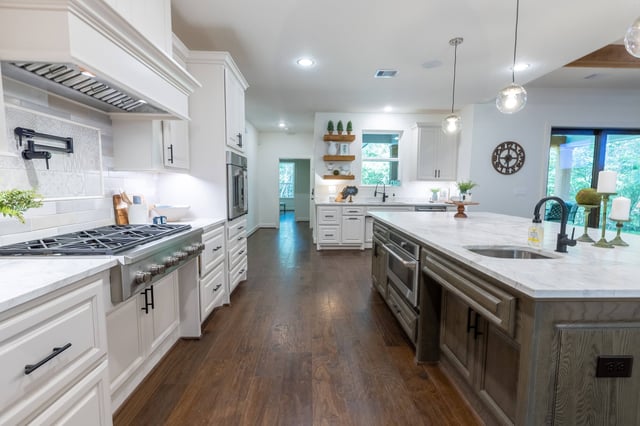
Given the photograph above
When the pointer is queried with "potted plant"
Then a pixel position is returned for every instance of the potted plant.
(330, 127)
(14, 202)
(340, 127)
(464, 187)
(349, 127)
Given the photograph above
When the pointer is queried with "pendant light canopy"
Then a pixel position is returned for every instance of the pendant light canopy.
(452, 123)
(632, 39)
(513, 97)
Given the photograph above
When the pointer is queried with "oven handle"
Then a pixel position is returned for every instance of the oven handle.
(410, 264)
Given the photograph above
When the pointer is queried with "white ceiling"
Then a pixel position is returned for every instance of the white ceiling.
(350, 39)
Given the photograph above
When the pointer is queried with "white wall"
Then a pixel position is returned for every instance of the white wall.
(272, 146)
(253, 164)
(517, 194)
(410, 187)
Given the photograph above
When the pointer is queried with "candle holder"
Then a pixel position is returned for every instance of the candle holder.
(585, 238)
(618, 241)
(602, 242)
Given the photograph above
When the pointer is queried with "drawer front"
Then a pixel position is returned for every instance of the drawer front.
(236, 227)
(237, 275)
(55, 340)
(353, 211)
(213, 252)
(237, 254)
(238, 240)
(328, 235)
(406, 317)
(211, 291)
(329, 215)
(479, 292)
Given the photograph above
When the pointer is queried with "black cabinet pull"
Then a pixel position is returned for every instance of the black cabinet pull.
(30, 368)
(217, 287)
(239, 139)
(153, 305)
(475, 327)
(217, 248)
(170, 153)
(147, 304)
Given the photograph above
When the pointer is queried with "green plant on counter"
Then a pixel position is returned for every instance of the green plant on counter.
(14, 202)
(465, 186)
(330, 126)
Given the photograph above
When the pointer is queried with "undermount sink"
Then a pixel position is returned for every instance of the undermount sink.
(510, 252)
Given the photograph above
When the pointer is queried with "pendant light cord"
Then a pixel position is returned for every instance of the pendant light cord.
(515, 44)
(455, 61)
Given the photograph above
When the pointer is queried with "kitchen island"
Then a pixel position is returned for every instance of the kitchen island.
(529, 341)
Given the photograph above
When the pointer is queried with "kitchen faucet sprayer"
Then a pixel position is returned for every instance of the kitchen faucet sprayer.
(563, 240)
(384, 191)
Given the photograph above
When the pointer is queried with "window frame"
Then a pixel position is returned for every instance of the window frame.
(364, 159)
(292, 183)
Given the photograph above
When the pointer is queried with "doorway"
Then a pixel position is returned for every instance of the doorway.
(294, 180)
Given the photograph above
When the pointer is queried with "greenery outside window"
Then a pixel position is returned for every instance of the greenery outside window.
(380, 160)
(577, 155)
(287, 179)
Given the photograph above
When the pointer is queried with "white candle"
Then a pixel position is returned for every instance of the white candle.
(620, 208)
(607, 182)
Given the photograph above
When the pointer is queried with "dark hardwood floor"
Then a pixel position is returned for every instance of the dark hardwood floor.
(305, 341)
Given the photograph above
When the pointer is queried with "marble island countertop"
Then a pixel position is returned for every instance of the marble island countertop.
(584, 272)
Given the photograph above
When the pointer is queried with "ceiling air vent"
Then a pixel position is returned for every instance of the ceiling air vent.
(385, 73)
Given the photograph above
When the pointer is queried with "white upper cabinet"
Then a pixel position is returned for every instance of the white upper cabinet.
(437, 153)
(152, 145)
(234, 108)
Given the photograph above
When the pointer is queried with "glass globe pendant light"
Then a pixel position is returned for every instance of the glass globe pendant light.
(632, 39)
(513, 97)
(452, 123)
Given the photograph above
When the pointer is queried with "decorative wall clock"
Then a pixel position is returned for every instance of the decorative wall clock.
(508, 157)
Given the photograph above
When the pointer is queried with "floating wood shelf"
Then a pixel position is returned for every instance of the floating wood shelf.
(339, 177)
(339, 138)
(339, 157)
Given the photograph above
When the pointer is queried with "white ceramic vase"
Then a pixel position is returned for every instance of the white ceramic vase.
(332, 149)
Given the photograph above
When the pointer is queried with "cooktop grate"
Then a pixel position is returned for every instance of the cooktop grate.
(112, 239)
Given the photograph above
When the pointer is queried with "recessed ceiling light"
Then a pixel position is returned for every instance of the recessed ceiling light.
(521, 66)
(281, 124)
(305, 62)
(388, 109)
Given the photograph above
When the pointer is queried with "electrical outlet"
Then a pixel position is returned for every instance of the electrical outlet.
(614, 366)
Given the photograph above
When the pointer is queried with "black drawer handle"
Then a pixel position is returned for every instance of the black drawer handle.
(240, 253)
(217, 248)
(217, 287)
(30, 368)
(240, 238)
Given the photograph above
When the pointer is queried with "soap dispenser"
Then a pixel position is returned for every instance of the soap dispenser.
(536, 234)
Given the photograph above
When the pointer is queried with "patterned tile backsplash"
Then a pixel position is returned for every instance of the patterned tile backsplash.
(76, 174)
(77, 187)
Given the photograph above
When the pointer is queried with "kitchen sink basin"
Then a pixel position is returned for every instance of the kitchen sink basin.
(510, 252)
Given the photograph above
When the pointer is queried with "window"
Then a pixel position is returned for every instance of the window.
(287, 178)
(380, 158)
(577, 155)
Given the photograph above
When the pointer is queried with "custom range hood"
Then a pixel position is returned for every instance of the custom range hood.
(84, 50)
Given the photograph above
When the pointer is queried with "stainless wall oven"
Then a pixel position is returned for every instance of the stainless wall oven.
(402, 267)
(237, 183)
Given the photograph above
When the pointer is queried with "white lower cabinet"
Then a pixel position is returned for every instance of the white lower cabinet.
(140, 331)
(236, 252)
(53, 352)
(213, 289)
(340, 227)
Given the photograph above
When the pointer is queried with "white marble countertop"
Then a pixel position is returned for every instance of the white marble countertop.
(584, 272)
(378, 202)
(24, 279)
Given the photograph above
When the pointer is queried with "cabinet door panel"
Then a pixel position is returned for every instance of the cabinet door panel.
(175, 140)
(455, 340)
(126, 341)
(166, 316)
(353, 229)
(498, 381)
